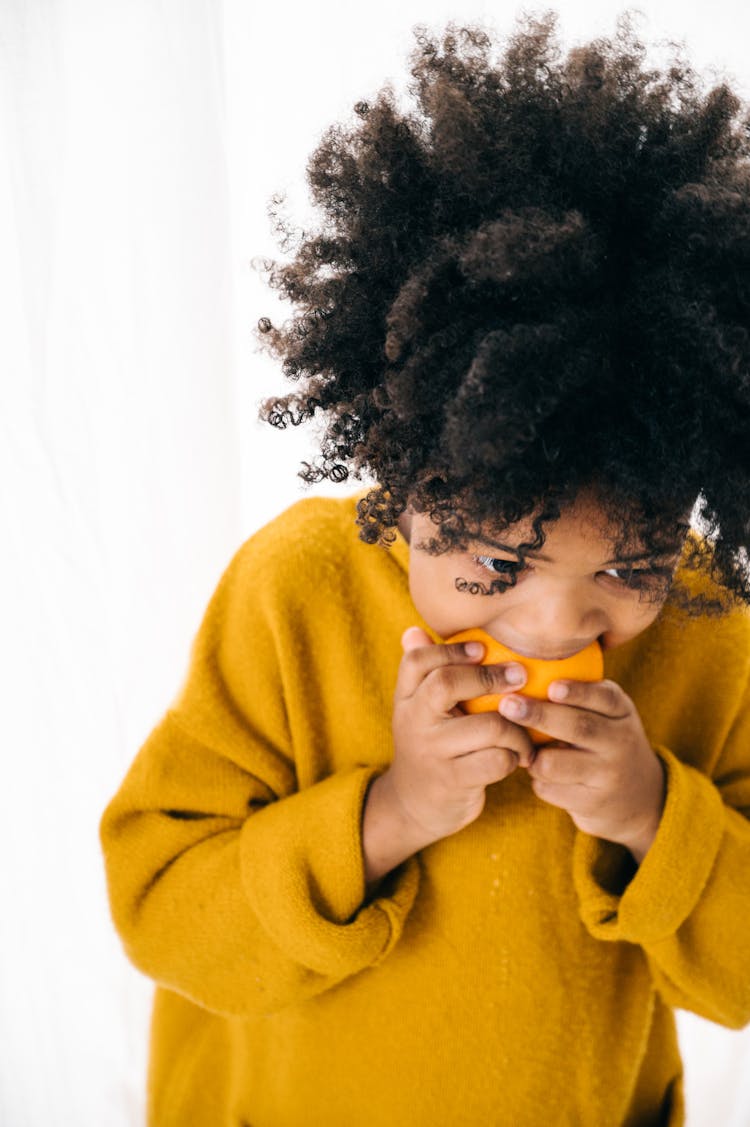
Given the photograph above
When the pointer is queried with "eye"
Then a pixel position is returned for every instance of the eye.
(639, 578)
(498, 566)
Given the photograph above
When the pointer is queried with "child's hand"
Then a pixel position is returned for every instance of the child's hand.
(443, 757)
(611, 781)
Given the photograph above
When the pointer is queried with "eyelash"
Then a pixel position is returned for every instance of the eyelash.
(638, 578)
(509, 567)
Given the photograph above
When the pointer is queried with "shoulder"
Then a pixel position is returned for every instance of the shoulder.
(690, 652)
(310, 548)
(308, 530)
(703, 658)
(730, 628)
(283, 570)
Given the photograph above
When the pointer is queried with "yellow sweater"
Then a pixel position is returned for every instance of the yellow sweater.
(517, 973)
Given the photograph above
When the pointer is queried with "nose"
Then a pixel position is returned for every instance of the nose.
(558, 622)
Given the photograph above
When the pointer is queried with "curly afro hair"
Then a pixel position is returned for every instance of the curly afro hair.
(535, 283)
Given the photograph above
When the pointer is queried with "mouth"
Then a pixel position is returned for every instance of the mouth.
(538, 655)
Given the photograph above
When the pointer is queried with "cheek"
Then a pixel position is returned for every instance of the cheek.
(434, 594)
(634, 619)
(431, 587)
(425, 586)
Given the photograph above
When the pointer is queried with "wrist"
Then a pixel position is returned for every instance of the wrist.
(640, 845)
(388, 836)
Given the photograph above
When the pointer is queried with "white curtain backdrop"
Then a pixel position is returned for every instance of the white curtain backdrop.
(139, 146)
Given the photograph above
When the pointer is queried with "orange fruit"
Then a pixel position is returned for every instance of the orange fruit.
(586, 665)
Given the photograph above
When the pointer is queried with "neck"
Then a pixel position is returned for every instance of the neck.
(404, 525)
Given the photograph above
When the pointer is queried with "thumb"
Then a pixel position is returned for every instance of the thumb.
(415, 636)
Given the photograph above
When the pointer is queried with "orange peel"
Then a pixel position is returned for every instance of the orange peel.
(586, 665)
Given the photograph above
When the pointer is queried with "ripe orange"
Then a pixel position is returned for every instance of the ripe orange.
(586, 665)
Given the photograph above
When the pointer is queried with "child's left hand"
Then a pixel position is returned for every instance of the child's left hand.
(610, 781)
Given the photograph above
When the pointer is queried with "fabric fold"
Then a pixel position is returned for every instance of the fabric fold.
(664, 890)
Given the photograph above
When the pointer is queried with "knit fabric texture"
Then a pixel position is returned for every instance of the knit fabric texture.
(519, 972)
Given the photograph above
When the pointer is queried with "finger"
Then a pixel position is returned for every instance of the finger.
(568, 797)
(413, 637)
(577, 726)
(464, 735)
(605, 697)
(422, 658)
(446, 686)
(425, 657)
(483, 766)
(559, 765)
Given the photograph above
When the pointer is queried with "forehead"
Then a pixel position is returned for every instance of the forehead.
(586, 522)
(588, 527)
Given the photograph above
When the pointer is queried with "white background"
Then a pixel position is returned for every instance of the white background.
(139, 146)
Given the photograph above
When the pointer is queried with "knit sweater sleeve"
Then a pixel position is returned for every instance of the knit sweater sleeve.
(229, 882)
(688, 904)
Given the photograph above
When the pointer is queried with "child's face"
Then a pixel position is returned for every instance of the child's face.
(575, 595)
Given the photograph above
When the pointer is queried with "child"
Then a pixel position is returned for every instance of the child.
(526, 317)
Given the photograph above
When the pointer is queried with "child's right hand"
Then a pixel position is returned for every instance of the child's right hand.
(443, 757)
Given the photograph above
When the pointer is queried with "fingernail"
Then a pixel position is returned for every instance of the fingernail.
(515, 674)
(558, 691)
(512, 706)
(473, 649)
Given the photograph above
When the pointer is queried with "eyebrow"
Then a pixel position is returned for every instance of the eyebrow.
(547, 559)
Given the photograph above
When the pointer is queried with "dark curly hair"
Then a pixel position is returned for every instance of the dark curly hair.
(535, 283)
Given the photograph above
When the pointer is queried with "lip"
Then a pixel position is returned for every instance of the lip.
(548, 657)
